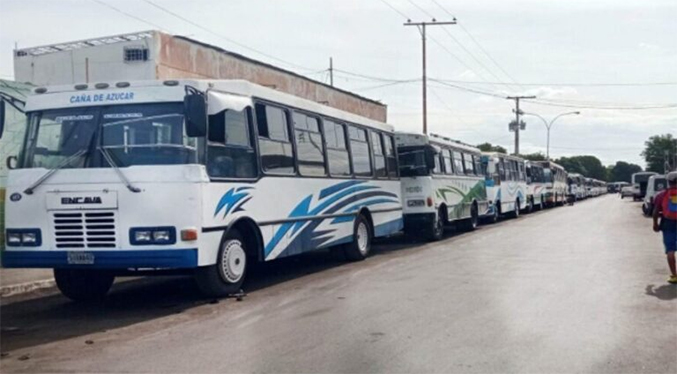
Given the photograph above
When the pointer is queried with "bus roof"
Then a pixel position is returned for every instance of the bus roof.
(69, 96)
(499, 154)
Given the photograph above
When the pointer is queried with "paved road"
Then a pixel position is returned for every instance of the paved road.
(575, 289)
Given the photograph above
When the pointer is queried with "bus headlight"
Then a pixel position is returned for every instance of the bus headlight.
(24, 237)
(142, 236)
(14, 238)
(161, 236)
(152, 235)
(29, 238)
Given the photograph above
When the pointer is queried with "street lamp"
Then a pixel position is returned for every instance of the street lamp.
(548, 125)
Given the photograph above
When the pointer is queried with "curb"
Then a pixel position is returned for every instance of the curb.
(16, 289)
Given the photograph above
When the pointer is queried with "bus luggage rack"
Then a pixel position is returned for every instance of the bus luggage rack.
(85, 230)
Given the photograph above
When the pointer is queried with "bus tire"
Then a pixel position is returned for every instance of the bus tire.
(530, 205)
(516, 212)
(83, 284)
(360, 247)
(493, 218)
(471, 223)
(436, 230)
(226, 276)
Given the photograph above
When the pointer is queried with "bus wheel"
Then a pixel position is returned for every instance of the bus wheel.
(530, 205)
(516, 212)
(83, 284)
(227, 275)
(493, 218)
(437, 228)
(470, 224)
(360, 247)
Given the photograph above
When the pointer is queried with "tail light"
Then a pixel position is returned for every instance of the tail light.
(429, 201)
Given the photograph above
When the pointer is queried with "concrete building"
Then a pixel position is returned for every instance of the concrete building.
(156, 55)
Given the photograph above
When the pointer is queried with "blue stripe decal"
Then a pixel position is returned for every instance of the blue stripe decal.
(230, 200)
(357, 206)
(389, 227)
(118, 259)
(337, 187)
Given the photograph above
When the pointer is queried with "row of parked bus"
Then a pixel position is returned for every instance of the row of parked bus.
(207, 177)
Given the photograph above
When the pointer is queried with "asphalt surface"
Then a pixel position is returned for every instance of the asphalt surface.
(573, 289)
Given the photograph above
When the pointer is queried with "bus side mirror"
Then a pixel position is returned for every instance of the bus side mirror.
(2, 117)
(195, 111)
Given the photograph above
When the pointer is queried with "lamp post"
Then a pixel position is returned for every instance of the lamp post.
(548, 125)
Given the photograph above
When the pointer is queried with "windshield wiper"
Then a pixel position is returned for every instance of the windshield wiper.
(122, 177)
(32, 187)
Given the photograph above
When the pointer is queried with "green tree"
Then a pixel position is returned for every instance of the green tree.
(590, 166)
(488, 147)
(622, 171)
(660, 151)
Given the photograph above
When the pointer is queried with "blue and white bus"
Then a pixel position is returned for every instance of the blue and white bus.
(506, 183)
(203, 176)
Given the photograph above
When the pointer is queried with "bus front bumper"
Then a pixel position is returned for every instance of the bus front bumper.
(118, 259)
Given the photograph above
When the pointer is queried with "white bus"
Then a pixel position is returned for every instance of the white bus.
(535, 186)
(442, 182)
(555, 183)
(205, 176)
(506, 183)
(577, 186)
(639, 183)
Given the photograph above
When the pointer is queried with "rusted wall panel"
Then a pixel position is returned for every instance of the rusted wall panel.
(179, 58)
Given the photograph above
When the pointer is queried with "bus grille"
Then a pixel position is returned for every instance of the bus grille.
(85, 230)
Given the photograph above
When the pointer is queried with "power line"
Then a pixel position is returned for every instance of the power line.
(130, 15)
(477, 43)
(628, 84)
(395, 9)
(618, 107)
(224, 37)
(421, 9)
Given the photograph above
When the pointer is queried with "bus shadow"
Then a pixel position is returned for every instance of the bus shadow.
(46, 316)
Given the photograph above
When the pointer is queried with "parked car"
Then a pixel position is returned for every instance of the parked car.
(656, 184)
(627, 191)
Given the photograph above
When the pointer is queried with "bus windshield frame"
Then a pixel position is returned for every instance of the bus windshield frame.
(132, 134)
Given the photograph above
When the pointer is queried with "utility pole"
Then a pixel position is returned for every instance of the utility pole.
(517, 119)
(421, 28)
(331, 71)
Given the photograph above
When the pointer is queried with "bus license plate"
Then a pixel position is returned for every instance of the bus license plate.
(80, 258)
(415, 203)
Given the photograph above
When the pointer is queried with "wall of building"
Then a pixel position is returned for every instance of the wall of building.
(103, 63)
(172, 57)
(182, 58)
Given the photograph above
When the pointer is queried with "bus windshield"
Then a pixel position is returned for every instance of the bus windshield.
(413, 161)
(547, 175)
(137, 134)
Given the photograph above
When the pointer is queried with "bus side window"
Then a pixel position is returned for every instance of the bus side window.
(501, 170)
(469, 165)
(277, 155)
(448, 169)
(309, 145)
(522, 173)
(458, 163)
(378, 154)
(391, 157)
(337, 149)
(479, 170)
(438, 164)
(230, 152)
(359, 150)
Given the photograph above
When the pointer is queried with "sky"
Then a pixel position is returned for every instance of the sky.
(603, 58)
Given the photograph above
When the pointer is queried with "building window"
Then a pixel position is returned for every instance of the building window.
(134, 54)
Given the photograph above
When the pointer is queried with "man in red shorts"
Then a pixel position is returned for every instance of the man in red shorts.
(665, 207)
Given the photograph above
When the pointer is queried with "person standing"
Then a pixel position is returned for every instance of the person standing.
(665, 208)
